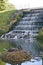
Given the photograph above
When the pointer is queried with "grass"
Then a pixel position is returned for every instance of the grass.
(4, 46)
(2, 63)
(5, 18)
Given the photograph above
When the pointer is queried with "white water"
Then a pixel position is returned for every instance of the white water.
(27, 27)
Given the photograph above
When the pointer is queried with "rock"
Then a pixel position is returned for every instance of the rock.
(15, 56)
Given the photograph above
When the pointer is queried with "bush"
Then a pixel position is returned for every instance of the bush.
(18, 17)
(40, 35)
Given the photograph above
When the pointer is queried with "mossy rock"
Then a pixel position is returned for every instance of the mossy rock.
(16, 57)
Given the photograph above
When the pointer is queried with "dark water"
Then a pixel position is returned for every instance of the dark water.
(23, 37)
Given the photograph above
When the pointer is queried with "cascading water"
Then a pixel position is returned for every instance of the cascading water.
(27, 27)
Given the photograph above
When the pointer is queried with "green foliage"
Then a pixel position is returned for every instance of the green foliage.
(40, 36)
(18, 17)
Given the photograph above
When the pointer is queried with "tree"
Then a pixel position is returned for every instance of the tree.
(2, 4)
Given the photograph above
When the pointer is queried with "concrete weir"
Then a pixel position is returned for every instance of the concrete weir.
(29, 25)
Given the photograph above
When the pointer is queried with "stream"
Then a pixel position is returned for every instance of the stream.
(23, 35)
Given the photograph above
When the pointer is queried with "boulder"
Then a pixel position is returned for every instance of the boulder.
(15, 56)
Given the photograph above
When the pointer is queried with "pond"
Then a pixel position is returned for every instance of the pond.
(24, 44)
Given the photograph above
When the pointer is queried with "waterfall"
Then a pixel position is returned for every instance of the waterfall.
(27, 27)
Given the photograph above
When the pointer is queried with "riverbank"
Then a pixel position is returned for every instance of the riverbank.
(7, 19)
